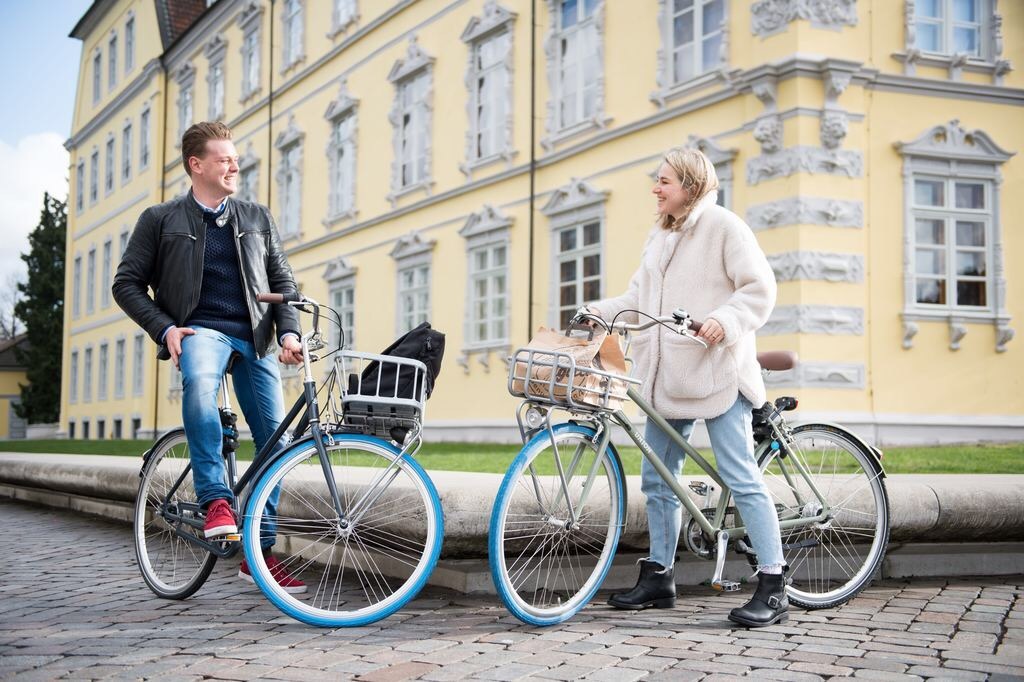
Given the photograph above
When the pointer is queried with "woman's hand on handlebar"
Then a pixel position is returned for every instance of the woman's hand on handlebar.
(711, 331)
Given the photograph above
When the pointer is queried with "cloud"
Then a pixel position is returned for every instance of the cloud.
(37, 164)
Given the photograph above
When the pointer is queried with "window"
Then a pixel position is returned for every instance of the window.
(73, 378)
(76, 288)
(85, 429)
(952, 232)
(101, 429)
(104, 364)
(491, 94)
(119, 363)
(174, 384)
(695, 37)
(97, 76)
(108, 184)
(576, 215)
(116, 431)
(488, 302)
(248, 175)
(411, 120)
(215, 51)
(289, 179)
(126, 153)
(129, 44)
(138, 365)
(578, 63)
(343, 299)
(949, 26)
(144, 139)
(108, 258)
(122, 245)
(94, 176)
(71, 429)
(186, 81)
(112, 61)
(80, 186)
(341, 156)
(250, 53)
(90, 282)
(344, 13)
(412, 256)
(293, 20)
(136, 427)
(87, 377)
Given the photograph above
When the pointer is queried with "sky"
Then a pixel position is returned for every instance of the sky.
(38, 77)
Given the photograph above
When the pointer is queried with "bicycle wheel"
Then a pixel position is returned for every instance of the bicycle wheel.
(173, 567)
(358, 568)
(830, 561)
(545, 566)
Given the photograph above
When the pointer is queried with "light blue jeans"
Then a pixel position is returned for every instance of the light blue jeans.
(257, 382)
(733, 444)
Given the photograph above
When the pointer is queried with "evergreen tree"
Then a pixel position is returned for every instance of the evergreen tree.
(41, 309)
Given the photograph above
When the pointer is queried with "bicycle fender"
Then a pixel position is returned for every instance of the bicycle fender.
(876, 454)
(149, 453)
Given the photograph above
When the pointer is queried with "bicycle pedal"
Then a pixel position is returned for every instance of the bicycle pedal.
(726, 586)
(233, 537)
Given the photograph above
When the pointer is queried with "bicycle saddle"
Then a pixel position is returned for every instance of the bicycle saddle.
(777, 360)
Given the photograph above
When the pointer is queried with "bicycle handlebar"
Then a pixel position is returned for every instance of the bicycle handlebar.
(279, 298)
(679, 318)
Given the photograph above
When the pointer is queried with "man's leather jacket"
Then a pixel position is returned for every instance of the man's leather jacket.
(166, 251)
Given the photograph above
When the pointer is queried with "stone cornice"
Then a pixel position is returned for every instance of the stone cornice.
(125, 97)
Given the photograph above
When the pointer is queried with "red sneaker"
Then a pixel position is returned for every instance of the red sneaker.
(284, 579)
(220, 520)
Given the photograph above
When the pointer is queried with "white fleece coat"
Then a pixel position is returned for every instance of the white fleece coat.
(712, 267)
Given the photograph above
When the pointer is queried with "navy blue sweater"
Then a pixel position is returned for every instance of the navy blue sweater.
(221, 302)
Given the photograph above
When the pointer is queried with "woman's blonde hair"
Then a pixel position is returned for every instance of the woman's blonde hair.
(697, 175)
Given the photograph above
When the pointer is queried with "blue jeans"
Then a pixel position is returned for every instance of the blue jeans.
(257, 382)
(733, 444)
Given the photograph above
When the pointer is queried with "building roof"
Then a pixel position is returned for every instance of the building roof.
(174, 16)
(8, 361)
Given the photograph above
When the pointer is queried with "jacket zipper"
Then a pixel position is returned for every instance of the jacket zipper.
(245, 284)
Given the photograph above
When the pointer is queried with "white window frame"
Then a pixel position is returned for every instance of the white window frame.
(123, 243)
(175, 382)
(112, 60)
(108, 264)
(120, 361)
(126, 152)
(559, 128)
(248, 168)
(215, 52)
(289, 145)
(293, 25)
(94, 176)
(97, 75)
(73, 378)
(573, 208)
(138, 364)
(80, 186)
(76, 287)
(669, 86)
(342, 119)
(412, 143)
(485, 231)
(344, 13)
(413, 256)
(111, 166)
(90, 281)
(341, 280)
(949, 154)
(102, 370)
(87, 375)
(185, 103)
(129, 42)
(144, 146)
(989, 59)
(495, 23)
(250, 21)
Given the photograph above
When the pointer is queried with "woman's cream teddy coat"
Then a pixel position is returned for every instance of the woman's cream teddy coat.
(712, 267)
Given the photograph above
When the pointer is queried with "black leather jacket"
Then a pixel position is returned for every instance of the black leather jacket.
(166, 251)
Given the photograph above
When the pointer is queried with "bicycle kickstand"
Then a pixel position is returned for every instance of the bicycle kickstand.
(721, 547)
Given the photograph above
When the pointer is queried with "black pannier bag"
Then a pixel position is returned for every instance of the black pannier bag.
(400, 381)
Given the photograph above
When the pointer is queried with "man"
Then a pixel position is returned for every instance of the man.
(206, 256)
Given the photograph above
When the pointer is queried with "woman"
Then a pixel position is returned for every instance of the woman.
(703, 258)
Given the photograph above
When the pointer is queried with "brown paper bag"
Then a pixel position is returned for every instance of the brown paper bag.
(601, 352)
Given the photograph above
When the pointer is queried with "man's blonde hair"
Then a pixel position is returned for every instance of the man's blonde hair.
(193, 142)
(697, 175)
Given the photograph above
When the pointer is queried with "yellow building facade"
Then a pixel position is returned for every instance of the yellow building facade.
(466, 162)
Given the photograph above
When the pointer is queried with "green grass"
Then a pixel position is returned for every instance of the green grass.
(492, 458)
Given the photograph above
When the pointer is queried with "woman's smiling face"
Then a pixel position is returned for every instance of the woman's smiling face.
(668, 189)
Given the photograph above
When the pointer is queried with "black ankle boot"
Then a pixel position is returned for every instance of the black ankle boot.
(768, 606)
(656, 587)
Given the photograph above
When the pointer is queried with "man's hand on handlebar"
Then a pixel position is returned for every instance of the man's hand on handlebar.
(291, 351)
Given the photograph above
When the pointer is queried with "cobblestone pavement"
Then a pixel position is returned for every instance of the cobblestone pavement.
(73, 605)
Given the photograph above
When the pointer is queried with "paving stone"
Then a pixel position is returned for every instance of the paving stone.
(946, 673)
(820, 669)
(883, 676)
(398, 672)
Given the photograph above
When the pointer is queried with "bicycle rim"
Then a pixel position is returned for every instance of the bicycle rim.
(546, 569)
(358, 570)
(173, 567)
(829, 561)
